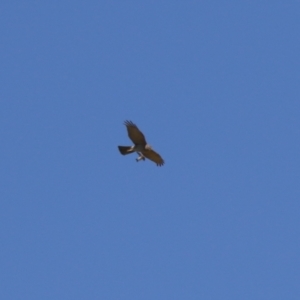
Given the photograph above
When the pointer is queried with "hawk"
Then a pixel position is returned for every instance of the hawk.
(140, 146)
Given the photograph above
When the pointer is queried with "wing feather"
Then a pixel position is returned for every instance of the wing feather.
(135, 134)
(154, 156)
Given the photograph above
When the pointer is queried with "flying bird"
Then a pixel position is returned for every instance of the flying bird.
(140, 146)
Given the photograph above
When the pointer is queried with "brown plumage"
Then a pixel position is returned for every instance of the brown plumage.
(154, 156)
(140, 145)
(135, 134)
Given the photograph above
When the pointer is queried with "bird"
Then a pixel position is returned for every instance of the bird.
(140, 146)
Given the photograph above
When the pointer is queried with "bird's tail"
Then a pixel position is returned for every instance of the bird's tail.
(125, 150)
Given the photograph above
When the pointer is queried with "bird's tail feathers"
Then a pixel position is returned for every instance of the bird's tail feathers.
(125, 150)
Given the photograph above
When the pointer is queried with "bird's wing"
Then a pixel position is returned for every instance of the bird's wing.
(154, 156)
(135, 134)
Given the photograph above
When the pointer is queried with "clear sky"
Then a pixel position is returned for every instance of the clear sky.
(214, 86)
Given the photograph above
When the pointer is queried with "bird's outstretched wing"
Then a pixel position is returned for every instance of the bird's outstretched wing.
(154, 156)
(135, 134)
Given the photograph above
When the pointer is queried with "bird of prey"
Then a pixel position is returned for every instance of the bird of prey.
(140, 146)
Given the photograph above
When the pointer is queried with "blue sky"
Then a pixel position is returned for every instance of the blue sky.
(214, 86)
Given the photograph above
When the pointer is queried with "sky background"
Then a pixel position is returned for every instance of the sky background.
(214, 86)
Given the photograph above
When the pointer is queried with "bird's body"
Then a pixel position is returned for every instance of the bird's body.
(140, 146)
